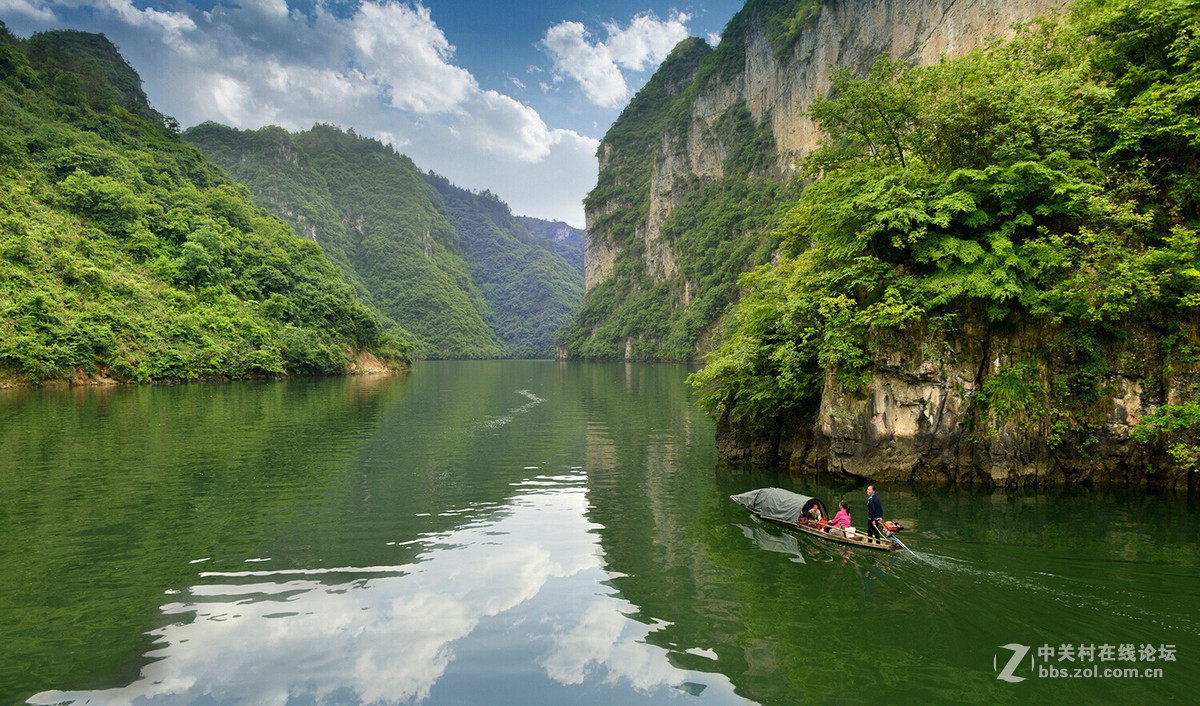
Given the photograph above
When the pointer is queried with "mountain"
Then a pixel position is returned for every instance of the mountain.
(454, 270)
(979, 268)
(698, 168)
(125, 255)
(564, 239)
(529, 286)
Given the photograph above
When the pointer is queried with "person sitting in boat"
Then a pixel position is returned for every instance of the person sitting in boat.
(842, 519)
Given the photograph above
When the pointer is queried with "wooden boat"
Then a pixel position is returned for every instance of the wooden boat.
(795, 511)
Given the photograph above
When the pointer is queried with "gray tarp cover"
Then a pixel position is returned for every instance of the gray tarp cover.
(774, 502)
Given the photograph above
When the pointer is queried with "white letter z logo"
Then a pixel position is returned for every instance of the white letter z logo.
(1019, 652)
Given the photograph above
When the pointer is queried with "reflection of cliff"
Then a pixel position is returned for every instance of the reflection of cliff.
(786, 617)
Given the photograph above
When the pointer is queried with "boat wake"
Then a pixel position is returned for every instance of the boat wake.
(510, 415)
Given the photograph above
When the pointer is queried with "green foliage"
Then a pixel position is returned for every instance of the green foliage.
(451, 271)
(1012, 181)
(1178, 428)
(1012, 392)
(125, 253)
(869, 119)
(530, 289)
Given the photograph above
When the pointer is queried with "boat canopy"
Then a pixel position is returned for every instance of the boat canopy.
(778, 503)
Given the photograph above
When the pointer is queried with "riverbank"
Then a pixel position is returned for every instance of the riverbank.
(362, 363)
(1001, 460)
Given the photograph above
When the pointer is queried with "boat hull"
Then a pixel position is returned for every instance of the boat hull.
(858, 539)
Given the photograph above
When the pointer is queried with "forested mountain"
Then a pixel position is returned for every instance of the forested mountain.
(531, 289)
(978, 268)
(698, 169)
(455, 269)
(566, 240)
(125, 254)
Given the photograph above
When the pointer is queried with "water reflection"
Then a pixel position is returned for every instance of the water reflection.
(528, 572)
(524, 532)
(781, 543)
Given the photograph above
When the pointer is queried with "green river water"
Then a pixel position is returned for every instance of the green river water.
(534, 532)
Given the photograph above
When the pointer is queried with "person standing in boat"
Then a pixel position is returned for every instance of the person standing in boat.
(874, 513)
(842, 518)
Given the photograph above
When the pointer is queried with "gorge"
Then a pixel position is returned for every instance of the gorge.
(965, 315)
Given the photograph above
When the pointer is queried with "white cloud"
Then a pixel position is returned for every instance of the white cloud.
(403, 50)
(276, 9)
(646, 41)
(591, 65)
(37, 11)
(386, 69)
(501, 126)
(596, 66)
(230, 98)
(170, 24)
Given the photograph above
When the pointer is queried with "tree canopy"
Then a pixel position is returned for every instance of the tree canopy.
(123, 252)
(1050, 179)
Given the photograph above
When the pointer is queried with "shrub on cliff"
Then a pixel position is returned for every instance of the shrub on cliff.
(1050, 178)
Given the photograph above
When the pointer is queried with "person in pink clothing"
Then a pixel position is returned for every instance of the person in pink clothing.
(842, 518)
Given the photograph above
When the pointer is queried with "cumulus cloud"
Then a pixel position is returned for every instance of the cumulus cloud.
(171, 25)
(597, 65)
(646, 41)
(37, 11)
(384, 69)
(590, 65)
(404, 51)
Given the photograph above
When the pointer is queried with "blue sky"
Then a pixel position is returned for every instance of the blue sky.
(507, 96)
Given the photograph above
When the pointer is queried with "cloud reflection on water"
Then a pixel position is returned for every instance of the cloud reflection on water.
(388, 634)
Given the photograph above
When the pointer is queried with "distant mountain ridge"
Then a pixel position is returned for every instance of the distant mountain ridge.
(568, 240)
(454, 270)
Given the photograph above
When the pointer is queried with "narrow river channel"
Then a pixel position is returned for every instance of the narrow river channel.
(532, 532)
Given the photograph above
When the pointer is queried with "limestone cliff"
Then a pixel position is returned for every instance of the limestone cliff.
(918, 418)
(694, 179)
(686, 116)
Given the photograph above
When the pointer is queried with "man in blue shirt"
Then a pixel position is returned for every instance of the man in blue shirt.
(874, 512)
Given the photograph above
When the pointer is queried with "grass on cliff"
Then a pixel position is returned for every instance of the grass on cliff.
(721, 229)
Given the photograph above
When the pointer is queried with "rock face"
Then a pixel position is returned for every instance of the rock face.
(968, 408)
(778, 90)
(919, 417)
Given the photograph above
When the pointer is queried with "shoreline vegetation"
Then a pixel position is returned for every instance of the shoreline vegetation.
(365, 364)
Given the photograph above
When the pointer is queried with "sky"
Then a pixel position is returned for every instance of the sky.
(512, 97)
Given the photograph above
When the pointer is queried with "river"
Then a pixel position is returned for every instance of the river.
(538, 532)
